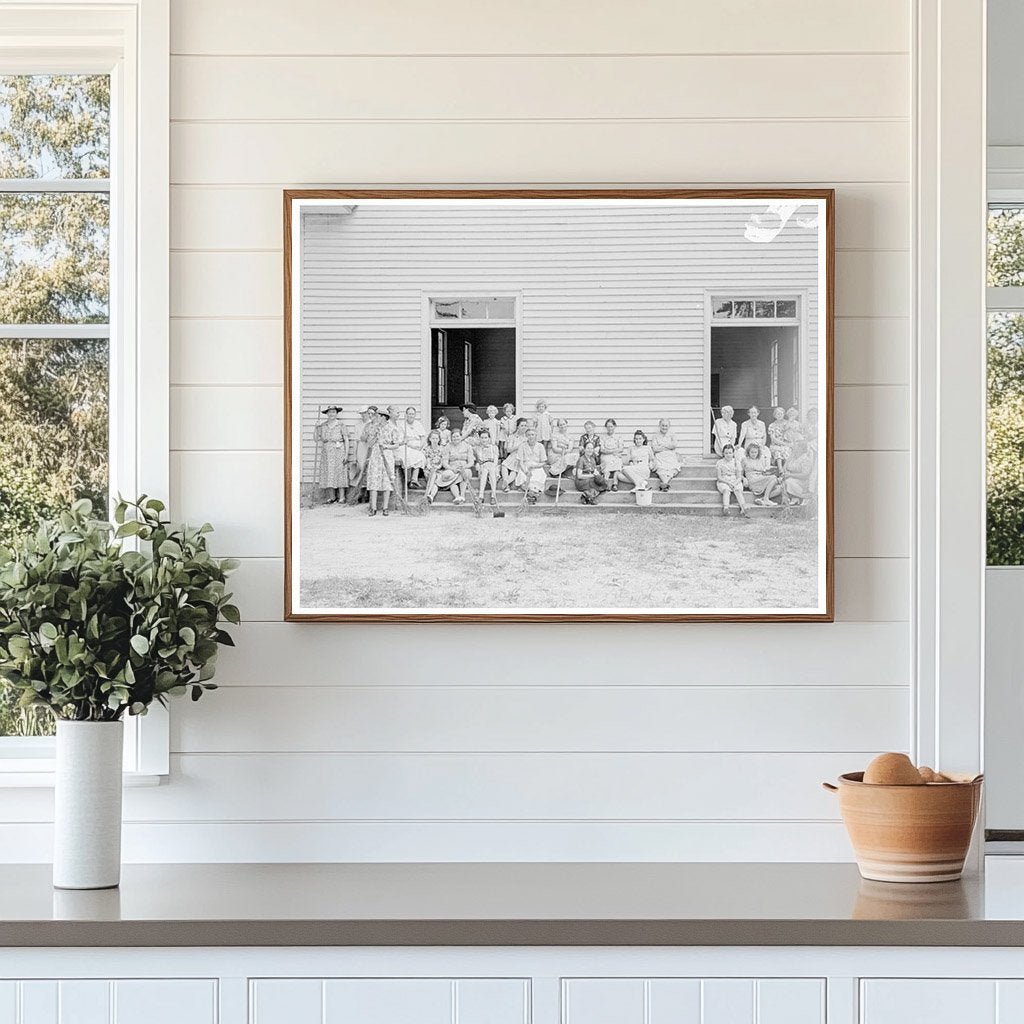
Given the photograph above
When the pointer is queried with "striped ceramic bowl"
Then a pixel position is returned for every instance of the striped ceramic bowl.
(909, 833)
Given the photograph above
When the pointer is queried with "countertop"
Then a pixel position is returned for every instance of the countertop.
(559, 904)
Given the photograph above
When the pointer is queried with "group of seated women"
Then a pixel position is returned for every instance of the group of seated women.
(504, 451)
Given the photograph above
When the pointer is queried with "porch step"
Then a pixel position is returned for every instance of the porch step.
(573, 507)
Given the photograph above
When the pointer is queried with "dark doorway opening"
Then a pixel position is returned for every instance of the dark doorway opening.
(753, 366)
(471, 364)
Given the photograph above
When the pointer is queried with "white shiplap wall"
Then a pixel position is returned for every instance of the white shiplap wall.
(561, 741)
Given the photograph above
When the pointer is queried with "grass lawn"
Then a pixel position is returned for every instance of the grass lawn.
(554, 561)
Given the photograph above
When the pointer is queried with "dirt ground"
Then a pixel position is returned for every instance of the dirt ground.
(554, 561)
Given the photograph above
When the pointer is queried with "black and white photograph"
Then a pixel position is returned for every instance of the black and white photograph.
(559, 405)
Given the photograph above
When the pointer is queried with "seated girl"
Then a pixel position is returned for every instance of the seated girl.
(753, 429)
(637, 463)
(487, 463)
(531, 466)
(444, 429)
(724, 430)
(459, 459)
(758, 474)
(515, 441)
(611, 454)
(558, 448)
(730, 481)
(777, 431)
(666, 462)
(439, 473)
(588, 476)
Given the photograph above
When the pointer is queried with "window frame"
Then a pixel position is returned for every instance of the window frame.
(130, 41)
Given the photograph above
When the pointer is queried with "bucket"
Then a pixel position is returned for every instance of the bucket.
(909, 833)
(644, 497)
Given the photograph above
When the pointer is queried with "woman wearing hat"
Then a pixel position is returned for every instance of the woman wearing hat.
(330, 435)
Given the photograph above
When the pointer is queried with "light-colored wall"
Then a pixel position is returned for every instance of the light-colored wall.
(526, 741)
(612, 317)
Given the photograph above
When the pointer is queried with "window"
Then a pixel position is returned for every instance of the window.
(83, 262)
(54, 307)
(474, 309)
(1005, 476)
(753, 308)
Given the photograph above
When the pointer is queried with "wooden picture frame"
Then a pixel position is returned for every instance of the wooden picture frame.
(797, 347)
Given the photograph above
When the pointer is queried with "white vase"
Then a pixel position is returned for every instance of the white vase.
(87, 806)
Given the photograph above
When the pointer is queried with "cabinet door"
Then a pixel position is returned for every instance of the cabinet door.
(388, 1000)
(693, 1001)
(941, 1001)
(103, 1001)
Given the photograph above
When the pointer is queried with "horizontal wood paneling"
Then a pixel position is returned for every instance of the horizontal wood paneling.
(873, 504)
(227, 352)
(867, 590)
(369, 718)
(869, 350)
(466, 842)
(868, 216)
(582, 654)
(545, 151)
(534, 26)
(452, 786)
(248, 284)
(528, 88)
(872, 418)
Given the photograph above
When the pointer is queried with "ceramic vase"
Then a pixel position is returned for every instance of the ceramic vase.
(87, 806)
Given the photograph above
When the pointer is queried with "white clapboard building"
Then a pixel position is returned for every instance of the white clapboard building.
(634, 310)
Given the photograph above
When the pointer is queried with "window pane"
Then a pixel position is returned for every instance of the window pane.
(1005, 439)
(54, 258)
(785, 309)
(745, 309)
(474, 309)
(1005, 246)
(764, 308)
(446, 310)
(54, 126)
(501, 309)
(722, 310)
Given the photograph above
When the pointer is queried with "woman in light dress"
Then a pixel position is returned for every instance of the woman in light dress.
(333, 442)
(515, 441)
(637, 463)
(611, 454)
(753, 429)
(756, 467)
(531, 466)
(777, 431)
(725, 429)
(459, 459)
(729, 481)
(666, 461)
(558, 448)
(798, 475)
(380, 466)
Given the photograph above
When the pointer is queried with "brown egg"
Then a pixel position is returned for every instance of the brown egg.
(928, 774)
(892, 770)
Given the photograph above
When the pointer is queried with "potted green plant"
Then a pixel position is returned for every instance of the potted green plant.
(99, 620)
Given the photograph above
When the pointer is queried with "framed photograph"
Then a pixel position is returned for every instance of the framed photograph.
(559, 405)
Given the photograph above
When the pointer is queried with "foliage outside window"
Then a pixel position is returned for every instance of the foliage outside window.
(1005, 483)
(54, 308)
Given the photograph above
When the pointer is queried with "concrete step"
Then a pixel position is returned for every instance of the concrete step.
(668, 508)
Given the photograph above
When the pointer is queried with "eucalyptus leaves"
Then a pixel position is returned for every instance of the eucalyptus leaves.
(92, 630)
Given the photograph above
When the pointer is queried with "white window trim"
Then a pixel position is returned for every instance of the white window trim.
(948, 459)
(131, 41)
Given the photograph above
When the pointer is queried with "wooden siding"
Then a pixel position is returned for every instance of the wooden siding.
(268, 96)
(612, 301)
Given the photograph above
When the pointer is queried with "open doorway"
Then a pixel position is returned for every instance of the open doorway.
(754, 365)
(471, 364)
